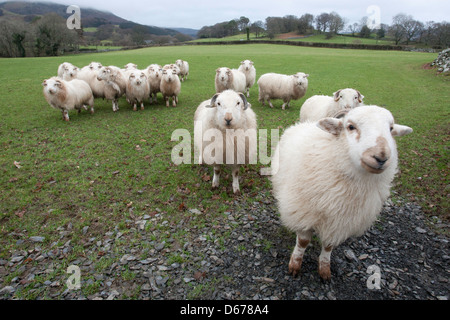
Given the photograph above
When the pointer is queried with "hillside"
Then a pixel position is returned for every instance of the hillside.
(91, 18)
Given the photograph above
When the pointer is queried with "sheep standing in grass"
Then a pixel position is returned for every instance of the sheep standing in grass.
(280, 86)
(229, 116)
(318, 107)
(333, 176)
(68, 95)
(154, 74)
(67, 71)
(89, 74)
(184, 69)
(249, 71)
(227, 78)
(138, 88)
(170, 86)
(115, 84)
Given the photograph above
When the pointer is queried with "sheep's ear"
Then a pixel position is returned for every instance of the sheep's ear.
(400, 130)
(44, 83)
(58, 83)
(331, 125)
(244, 99)
(341, 113)
(217, 70)
(212, 104)
(336, 95)
(360, 96)
(307, 75)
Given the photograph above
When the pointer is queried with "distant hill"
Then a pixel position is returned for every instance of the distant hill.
(189, 32)
(89, 17)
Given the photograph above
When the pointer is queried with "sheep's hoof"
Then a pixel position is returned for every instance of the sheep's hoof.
(295, 264)
(237, 191)
(134, 108)
(324, 270)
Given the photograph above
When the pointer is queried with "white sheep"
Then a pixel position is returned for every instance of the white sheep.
(89, 74)
(67, 71)
(230, 118)
(184, 69)
(227, 78)
(154, 74)
(115, 84)
(332, 177)
(170, 85)
(68, 95)
(281, 86)
(319, 106)
(248, 69)
(138, 88)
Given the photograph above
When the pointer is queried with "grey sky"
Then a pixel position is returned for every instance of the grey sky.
(198, 13)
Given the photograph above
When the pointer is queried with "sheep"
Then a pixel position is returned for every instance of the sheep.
(333, 176)
(227, 78)
(170, 86)
(280, 86)
(138, 88)
(115, 84)
(154, 73)
(172, 66)
(249, 71)
(229, 115)
(67, 71)
(184, 69)
(68, 95)
(89, 74)
(319, 106)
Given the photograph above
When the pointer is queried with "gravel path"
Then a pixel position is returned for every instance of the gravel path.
(243, 256)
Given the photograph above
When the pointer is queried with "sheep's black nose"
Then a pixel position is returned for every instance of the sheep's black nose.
(380, 161)
(228, 121)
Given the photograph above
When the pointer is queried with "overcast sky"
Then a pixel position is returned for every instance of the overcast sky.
(198, 13)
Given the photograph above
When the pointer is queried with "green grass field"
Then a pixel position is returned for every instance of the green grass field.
(101, 170)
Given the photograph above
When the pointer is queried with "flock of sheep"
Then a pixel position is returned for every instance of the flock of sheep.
(331, 171)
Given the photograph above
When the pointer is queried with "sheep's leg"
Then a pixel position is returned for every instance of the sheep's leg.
(167, 101)
(174, 101)
(283, 106)
(142, 105)
(248, 92)
(92, 109)
(235, 174)
(216, 177)
(134, 106)
(295, 263)
(324, 262)
(270, 103)
(65, 115)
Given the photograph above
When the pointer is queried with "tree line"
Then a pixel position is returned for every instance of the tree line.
(48, 35)
(403, 30)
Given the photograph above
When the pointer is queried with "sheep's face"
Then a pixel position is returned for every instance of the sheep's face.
(154, 71)
(137, 78)
(104, 73)
(348, 98)
(169, 75)
(69, 72)
(179, 63)
(52, 86)
(369, 132)
(229, 107)
(95, 66)
(247, 64)
(301, 79)
(130, 66)
(223, 74)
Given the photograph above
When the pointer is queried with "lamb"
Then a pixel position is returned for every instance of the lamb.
(319, 106)
(67, 71)
(89, 74)
(280, 86)
(333, 176)
(249, 71)
(184, 69)
(227, 78)
(115, 84)
(138, 88)
(154, 73)
(170, 86)
(227, 115)
(68, 95)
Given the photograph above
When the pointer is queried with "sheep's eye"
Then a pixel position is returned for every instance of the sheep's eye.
(356, 98)
(218, 103)
(391, 128)
(351, 127)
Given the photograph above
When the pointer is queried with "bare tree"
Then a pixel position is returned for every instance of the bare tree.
(323, 22)
(336, 23)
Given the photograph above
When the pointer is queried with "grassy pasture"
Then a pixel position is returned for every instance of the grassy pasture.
(101, 170)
